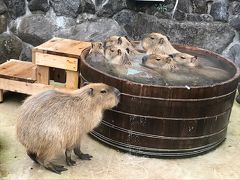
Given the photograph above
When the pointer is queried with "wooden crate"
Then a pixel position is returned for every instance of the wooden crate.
(20, 76)
(18, 70)
(59, 53)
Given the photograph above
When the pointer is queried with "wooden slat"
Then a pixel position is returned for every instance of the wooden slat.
(43, 75)
(18, 70)
(55, 61)
(28, 88)
(72, 80)
(33, 56)
(1, 95)
(34, 73)
(63, 47)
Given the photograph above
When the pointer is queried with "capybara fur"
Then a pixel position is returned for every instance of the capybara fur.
(52, 122)
(160, 62)
(96, 53)
(156, 43)
(122, 41)
(117, 55)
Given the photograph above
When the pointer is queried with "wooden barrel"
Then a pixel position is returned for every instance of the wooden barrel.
(166, 121)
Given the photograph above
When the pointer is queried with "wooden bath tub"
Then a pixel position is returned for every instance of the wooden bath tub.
(165, 121)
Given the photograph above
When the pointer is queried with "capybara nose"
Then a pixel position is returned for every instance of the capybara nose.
(144, 59)
(117, 92)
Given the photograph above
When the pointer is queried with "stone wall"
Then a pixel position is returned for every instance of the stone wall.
(210, 24)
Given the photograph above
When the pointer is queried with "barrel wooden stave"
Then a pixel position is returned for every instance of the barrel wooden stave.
(168, 126)
(165, 121)
(159, 142)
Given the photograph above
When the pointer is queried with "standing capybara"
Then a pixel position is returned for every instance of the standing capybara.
(52, 122)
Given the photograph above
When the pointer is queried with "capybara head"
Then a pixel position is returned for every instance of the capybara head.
(118, 40)
(117, 55)
(158, 61)
(154, 39)
(97, 47)
(100, 95)
(185, 59)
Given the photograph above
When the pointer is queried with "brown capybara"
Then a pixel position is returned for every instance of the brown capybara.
(186, 59)
(197, 68)
(156, 43)
(159, 62)
(117, 55)
(96, 53)
(52, 122)
(122, 41)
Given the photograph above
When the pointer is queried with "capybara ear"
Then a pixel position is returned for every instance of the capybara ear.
(168, 38)
(161, 41)
(90, 91)
(92, 44)
(128, 50)
(126, 60)
(127, 38)
(100, 45)
(119, 52)
(119, 40)
(196, 57)
(85, 83)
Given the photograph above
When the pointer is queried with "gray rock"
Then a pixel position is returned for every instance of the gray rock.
(234, 8)
(213, 36)
(108, 8)
(92, 31)
(3, 23)
(235, 22)
(10, 47)
(233, 53)
(165, 15)
(37, 28)
(16, 8)
(199, 6)
(26, 54)
(66, 7)
(185, 6)
(153, 8)
(3, 7)
(87, 6)
(86, 17)
(199, 17)
(219, 10)
(179, 15)
(39, 5)
(206, 17)
(125, 17)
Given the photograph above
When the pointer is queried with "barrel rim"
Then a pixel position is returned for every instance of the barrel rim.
(218, 56)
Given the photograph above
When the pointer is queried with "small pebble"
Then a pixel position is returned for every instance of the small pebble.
(15, 156)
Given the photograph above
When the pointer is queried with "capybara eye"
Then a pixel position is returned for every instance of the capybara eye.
(103, 91)
(158, 59)
(151, 37)
(183, 57)
(111, 50)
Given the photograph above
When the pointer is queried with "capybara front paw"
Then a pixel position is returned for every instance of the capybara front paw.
(70, 162)
(55, 168)
(85, 156)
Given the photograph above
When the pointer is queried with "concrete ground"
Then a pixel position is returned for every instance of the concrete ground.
(223, 163)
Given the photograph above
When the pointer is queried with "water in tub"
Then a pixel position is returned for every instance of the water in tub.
(210, 71)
